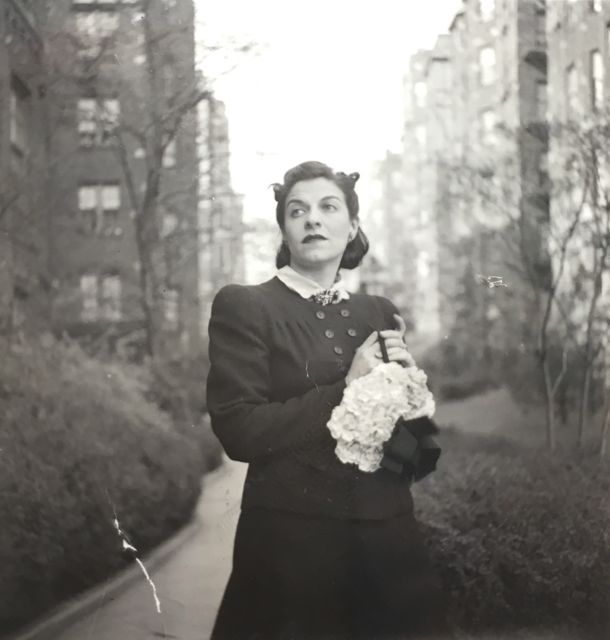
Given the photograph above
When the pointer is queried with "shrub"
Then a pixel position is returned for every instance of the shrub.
(453, 376)
(80, 443)
(520, 538)
(178, 388)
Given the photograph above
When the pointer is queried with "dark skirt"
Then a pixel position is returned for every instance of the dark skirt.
(298, 577)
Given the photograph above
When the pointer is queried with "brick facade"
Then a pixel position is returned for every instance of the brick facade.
(106, 80)
(24, 279)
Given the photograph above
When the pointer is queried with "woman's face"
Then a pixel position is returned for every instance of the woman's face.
(317, 226)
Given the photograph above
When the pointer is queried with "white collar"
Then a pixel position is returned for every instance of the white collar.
(306, 287)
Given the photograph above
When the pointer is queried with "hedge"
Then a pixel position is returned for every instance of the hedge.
(79, 445)
(521, 538)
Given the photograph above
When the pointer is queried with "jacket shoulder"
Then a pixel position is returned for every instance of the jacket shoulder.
(389, 308)
(248, 302)
(236, 294)
(380, 303)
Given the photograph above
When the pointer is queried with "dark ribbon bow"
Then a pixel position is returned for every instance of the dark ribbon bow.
(411, 451)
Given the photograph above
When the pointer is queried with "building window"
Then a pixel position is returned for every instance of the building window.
(420, 135)
(601, 182)
(396, 179)
(541, 100)
(110, 302)
(543, 168)
(540, 26)
(97, 120)
(420, 90)
(169, 224)
(488, 126)
(171, 304)
(572, 91)
(571, 9)
(597, 80)
(595, 5)
(423, 264)
(169, 155)
(487, 65)
(18, 117)
(227, 257)
(99, 206)
(95, 31)
(88, 290)
(487, 9)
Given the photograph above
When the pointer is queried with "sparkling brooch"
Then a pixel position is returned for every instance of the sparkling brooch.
(328, 296)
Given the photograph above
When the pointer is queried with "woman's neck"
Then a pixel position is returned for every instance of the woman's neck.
(325, 275)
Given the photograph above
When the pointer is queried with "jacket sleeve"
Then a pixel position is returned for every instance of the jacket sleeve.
(244, 419)
(388, 309)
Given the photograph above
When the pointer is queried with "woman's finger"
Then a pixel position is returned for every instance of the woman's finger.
(400, 355)
(401, 324)
(389, 334)
(391, 343)
(370, 341)
(397, 351)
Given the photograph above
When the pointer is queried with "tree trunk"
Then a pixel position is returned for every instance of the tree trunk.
(550, 405)
(605, 428)
(583, 408)
(146, 241)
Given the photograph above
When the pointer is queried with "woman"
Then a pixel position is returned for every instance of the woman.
(322, 550)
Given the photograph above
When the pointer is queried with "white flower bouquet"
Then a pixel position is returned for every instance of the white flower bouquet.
(371, 405)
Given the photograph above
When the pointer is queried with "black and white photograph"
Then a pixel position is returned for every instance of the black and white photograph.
(304, 320)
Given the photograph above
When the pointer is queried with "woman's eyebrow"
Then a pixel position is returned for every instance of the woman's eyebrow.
(332, 198)
(296, 201)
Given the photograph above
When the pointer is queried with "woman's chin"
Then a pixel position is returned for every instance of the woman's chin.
(314, 258)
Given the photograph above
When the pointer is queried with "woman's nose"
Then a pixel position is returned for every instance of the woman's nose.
(313, 217)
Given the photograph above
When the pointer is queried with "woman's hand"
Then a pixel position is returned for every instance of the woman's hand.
(365, 358)
(395, 343)
(368, 354)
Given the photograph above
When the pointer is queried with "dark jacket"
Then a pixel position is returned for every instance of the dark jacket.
(278, 366)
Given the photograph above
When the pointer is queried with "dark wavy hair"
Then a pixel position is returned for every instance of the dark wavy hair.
(357, 248)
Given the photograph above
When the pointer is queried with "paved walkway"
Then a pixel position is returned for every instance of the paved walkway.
(191, 582)
(189, 585)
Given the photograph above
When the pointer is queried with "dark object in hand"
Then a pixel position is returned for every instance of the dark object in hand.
(411, 451)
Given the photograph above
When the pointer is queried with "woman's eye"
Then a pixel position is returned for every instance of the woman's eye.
(329, 207)
(296, 212)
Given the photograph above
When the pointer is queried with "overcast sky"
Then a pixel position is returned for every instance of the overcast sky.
(326, 86)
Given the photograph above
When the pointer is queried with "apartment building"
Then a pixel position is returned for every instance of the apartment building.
(425, 140)
(220, 209)
(24, 281)
(480, 104)
(125, 170)
(579, 52)
(389, 265)
(578, 36)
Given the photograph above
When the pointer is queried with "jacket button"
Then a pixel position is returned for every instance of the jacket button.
(329, 333)
(320, 315)
(344, 313)
(338, 351)
(352, 332)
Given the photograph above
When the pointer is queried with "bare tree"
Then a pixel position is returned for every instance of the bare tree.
(155, 111)
(585, 146)
(495, 188)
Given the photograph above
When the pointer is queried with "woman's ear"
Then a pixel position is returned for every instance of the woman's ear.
(355, 225)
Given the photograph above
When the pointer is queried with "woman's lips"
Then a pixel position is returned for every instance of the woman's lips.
(313, 239)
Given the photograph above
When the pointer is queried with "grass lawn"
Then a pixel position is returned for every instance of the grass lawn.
(495, 413)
